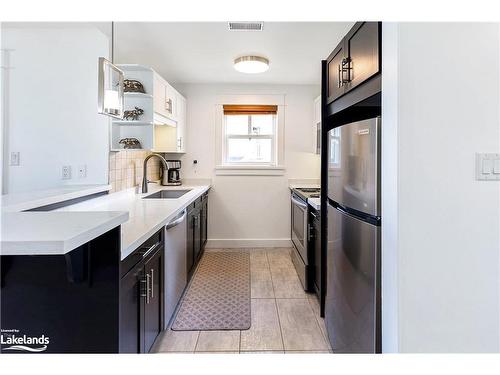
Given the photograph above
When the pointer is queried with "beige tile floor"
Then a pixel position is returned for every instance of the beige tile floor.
(285, 319)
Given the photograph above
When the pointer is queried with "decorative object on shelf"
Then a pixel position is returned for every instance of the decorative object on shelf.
(133, 114)
(130, 143)
(131, 85)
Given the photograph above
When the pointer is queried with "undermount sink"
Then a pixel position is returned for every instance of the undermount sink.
(167, 194)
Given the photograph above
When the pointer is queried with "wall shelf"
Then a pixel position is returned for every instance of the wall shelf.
(132, 123)
(162, 106)
(138, 95)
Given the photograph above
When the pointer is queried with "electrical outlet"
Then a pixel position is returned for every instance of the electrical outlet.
(15, 158)
(82, 171)
(66, 172)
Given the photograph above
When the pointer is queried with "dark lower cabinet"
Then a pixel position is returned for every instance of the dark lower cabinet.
(130, 306)
(317, 257)
(69, 302)
(190, 239)
(204, 220)
(141, 297)
(197, 221)
(153, 299)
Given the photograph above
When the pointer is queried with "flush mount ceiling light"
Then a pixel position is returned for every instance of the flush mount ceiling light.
(251, 64)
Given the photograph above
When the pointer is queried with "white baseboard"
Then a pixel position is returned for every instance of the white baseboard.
(247, 243)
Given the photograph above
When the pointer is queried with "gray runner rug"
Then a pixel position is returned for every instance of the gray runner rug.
(218, 297)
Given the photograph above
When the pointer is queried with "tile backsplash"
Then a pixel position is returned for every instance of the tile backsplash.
(125, 169)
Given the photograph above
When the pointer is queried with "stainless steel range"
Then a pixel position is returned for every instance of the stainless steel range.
(301, 234)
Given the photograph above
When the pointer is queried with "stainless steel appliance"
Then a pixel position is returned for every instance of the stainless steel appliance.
(173, 174)
(175, 264)
(352, 304)
(301, 234)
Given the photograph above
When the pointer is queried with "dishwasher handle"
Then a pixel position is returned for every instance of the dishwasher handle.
(179, 219)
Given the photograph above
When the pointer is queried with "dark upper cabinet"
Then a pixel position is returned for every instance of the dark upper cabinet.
(355, 60)
(362, 45)
(335, 86)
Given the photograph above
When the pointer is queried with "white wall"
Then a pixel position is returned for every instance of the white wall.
(441, 227)
(249, 210)
(52, 117)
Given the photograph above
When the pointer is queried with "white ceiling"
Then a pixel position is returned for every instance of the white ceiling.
(203, 52)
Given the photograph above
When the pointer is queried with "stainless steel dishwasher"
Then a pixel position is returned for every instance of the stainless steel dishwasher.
(175, 263)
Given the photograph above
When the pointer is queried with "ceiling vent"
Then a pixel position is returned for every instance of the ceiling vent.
(246, 26)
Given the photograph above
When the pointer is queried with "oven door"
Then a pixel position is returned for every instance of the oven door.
(299, 226)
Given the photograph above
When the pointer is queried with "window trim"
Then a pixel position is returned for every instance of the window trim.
(253, 168)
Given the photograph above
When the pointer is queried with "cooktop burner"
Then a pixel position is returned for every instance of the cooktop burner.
(306, 193)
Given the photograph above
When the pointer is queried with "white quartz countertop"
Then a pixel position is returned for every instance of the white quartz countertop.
(146, 216)
(51, 233)
(26, 201)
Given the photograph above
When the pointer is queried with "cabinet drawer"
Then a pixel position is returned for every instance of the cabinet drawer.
(142, 252)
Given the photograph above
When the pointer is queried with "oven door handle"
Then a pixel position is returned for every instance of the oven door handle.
(299, 203)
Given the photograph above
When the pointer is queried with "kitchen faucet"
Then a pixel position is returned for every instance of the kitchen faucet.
(145, 180)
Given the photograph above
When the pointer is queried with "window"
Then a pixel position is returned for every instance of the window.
(335, 148)
(250, 135)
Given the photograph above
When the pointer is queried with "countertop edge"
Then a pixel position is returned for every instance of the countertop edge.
(64, 245)
(57, 198)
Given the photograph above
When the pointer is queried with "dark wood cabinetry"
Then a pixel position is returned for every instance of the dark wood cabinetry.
(197, 231)
(355, 60)
(314, 243)
(141, 296)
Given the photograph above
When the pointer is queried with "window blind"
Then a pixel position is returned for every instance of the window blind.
(240, 109)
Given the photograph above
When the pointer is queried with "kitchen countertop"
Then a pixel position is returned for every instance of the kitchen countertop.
(28, 200)
(146, 216)
(51, 233)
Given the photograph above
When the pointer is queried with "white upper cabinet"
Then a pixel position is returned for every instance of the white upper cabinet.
(317, 126)
(165, 99)
(161, 126)
(181, 123)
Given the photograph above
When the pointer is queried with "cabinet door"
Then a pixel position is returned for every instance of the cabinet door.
(181, 123)
(204, 223)
(197, 236)
(154, 297)
(130, 311)
(190, 242)
(159, 92)
(362, 47)
(335, 87)
(170, 102)
(317, 253)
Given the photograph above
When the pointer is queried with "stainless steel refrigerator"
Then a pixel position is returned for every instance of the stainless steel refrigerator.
(352, 302)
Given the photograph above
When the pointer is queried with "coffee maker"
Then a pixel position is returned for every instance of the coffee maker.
(172, 176)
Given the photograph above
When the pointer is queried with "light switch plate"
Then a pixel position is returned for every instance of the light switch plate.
(487, 167)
